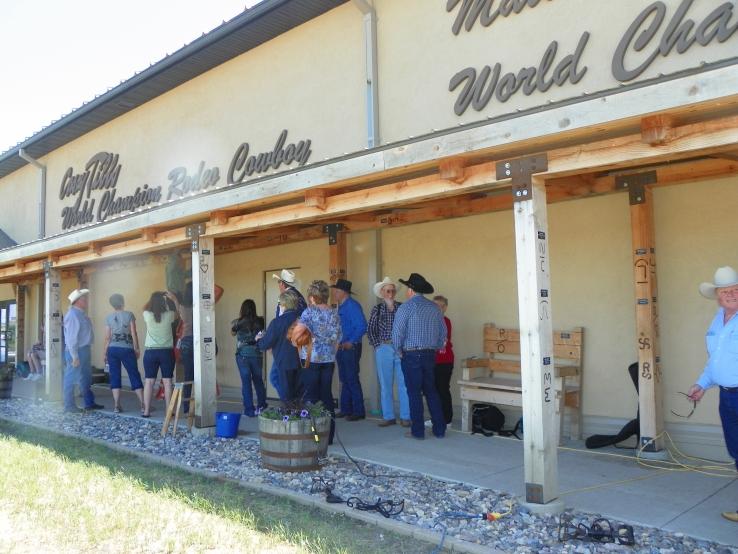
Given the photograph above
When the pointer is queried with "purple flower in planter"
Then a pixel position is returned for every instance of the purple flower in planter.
(304, 413)
(286, 418)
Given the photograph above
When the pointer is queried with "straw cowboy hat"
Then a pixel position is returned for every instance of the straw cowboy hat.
(76, 294)
(418, 283)
(285, 276)
(724, 277)
(379, 286)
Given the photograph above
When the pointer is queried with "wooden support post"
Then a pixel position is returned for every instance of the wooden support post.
(20, 323)
(203, 322)
(647, 330)
(52, 333)
(536, 334)
(337, 259)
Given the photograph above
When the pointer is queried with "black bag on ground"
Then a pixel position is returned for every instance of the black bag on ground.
(487, 419)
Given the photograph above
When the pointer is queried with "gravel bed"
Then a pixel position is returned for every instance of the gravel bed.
(425, 498)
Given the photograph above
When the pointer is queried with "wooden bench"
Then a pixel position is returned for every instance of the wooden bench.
(495, 378)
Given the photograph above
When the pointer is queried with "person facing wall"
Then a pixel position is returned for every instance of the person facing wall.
(121, 347)
(159, 345)
(445, 364)
(249, 359)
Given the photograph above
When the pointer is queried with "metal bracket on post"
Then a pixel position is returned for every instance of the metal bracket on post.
(193, 233)
(521, 171)
(47, 265)
(332, 230)
(635, 184)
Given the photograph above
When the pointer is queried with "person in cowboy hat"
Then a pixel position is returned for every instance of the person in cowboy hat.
(387, 359)
(353, 327)
(418, 332)
(286, 281)
(78, 338)
(722, 363)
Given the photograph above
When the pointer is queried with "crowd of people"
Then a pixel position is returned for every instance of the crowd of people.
(411, 341)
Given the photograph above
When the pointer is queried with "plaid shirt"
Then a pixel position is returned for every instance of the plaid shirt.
(380, 324)
(418, 325)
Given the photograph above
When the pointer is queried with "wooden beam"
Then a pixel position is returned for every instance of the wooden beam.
(20, 322)
(148, 234)
(536, 346)
(220, 217)
(337, 253)
(95, 248)
(203, 323)
(647, 332)
(657, 129)
(452, 169)
(53, 331)
(316, 198)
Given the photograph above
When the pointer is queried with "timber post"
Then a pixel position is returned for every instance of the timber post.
(203, 325)
(20, 323)
(52, 332)
(337, 254)
(646, 307)
(536, 332)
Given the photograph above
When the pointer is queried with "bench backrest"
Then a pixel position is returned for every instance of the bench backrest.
(503, 345)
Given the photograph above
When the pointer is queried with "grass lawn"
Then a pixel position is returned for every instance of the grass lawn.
(59, 494)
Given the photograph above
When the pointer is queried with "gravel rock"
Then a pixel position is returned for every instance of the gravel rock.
(428, 503)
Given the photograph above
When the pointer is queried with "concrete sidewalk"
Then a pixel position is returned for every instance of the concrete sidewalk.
(610, 482)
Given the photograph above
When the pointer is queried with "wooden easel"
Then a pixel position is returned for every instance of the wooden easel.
(173, 409)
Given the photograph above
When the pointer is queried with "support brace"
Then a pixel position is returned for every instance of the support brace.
(521, 173)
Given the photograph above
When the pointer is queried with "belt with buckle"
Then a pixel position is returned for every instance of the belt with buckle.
(729, 389)
(420, 350)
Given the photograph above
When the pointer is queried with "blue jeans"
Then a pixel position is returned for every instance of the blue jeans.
(80, 375)
(317, 382)
(389, 370)
(275, 379)
(352, 397)
(118, 355)
(729, 419)
(420, 378)
(187, 357)
(250, 369)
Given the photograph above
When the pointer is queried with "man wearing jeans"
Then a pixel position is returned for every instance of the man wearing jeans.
(78, 338)
(721, 369)
(353, 327)
(417, 333)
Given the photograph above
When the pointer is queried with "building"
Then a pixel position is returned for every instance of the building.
(362, 139)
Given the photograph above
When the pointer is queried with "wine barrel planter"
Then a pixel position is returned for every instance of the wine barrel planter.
(6, 387)
(290, 445)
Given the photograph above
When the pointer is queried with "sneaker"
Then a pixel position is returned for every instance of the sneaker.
(28, 377)
(731, 516)
(95, 407)
(74, 410)
(428, 423)
(37, 376)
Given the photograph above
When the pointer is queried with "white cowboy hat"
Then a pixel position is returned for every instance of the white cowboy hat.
(76, 294)
(285, 275)
(724, 277)
(382, 283)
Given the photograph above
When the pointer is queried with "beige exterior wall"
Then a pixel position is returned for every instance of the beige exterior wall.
(294, 82)
(21, 222)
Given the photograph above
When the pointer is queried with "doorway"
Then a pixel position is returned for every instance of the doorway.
(8, 321)
(271, 299)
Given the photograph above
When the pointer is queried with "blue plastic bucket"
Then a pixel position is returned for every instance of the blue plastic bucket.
(226, 424)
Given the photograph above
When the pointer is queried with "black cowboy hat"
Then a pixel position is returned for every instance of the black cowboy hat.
(418, 283)
(344, 285)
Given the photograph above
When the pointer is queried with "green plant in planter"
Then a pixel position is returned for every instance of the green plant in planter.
(295, 411)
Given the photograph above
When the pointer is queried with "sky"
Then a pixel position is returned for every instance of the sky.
(58, 54)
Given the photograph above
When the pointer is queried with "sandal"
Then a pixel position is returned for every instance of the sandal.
(145, 415)
(117, 409)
